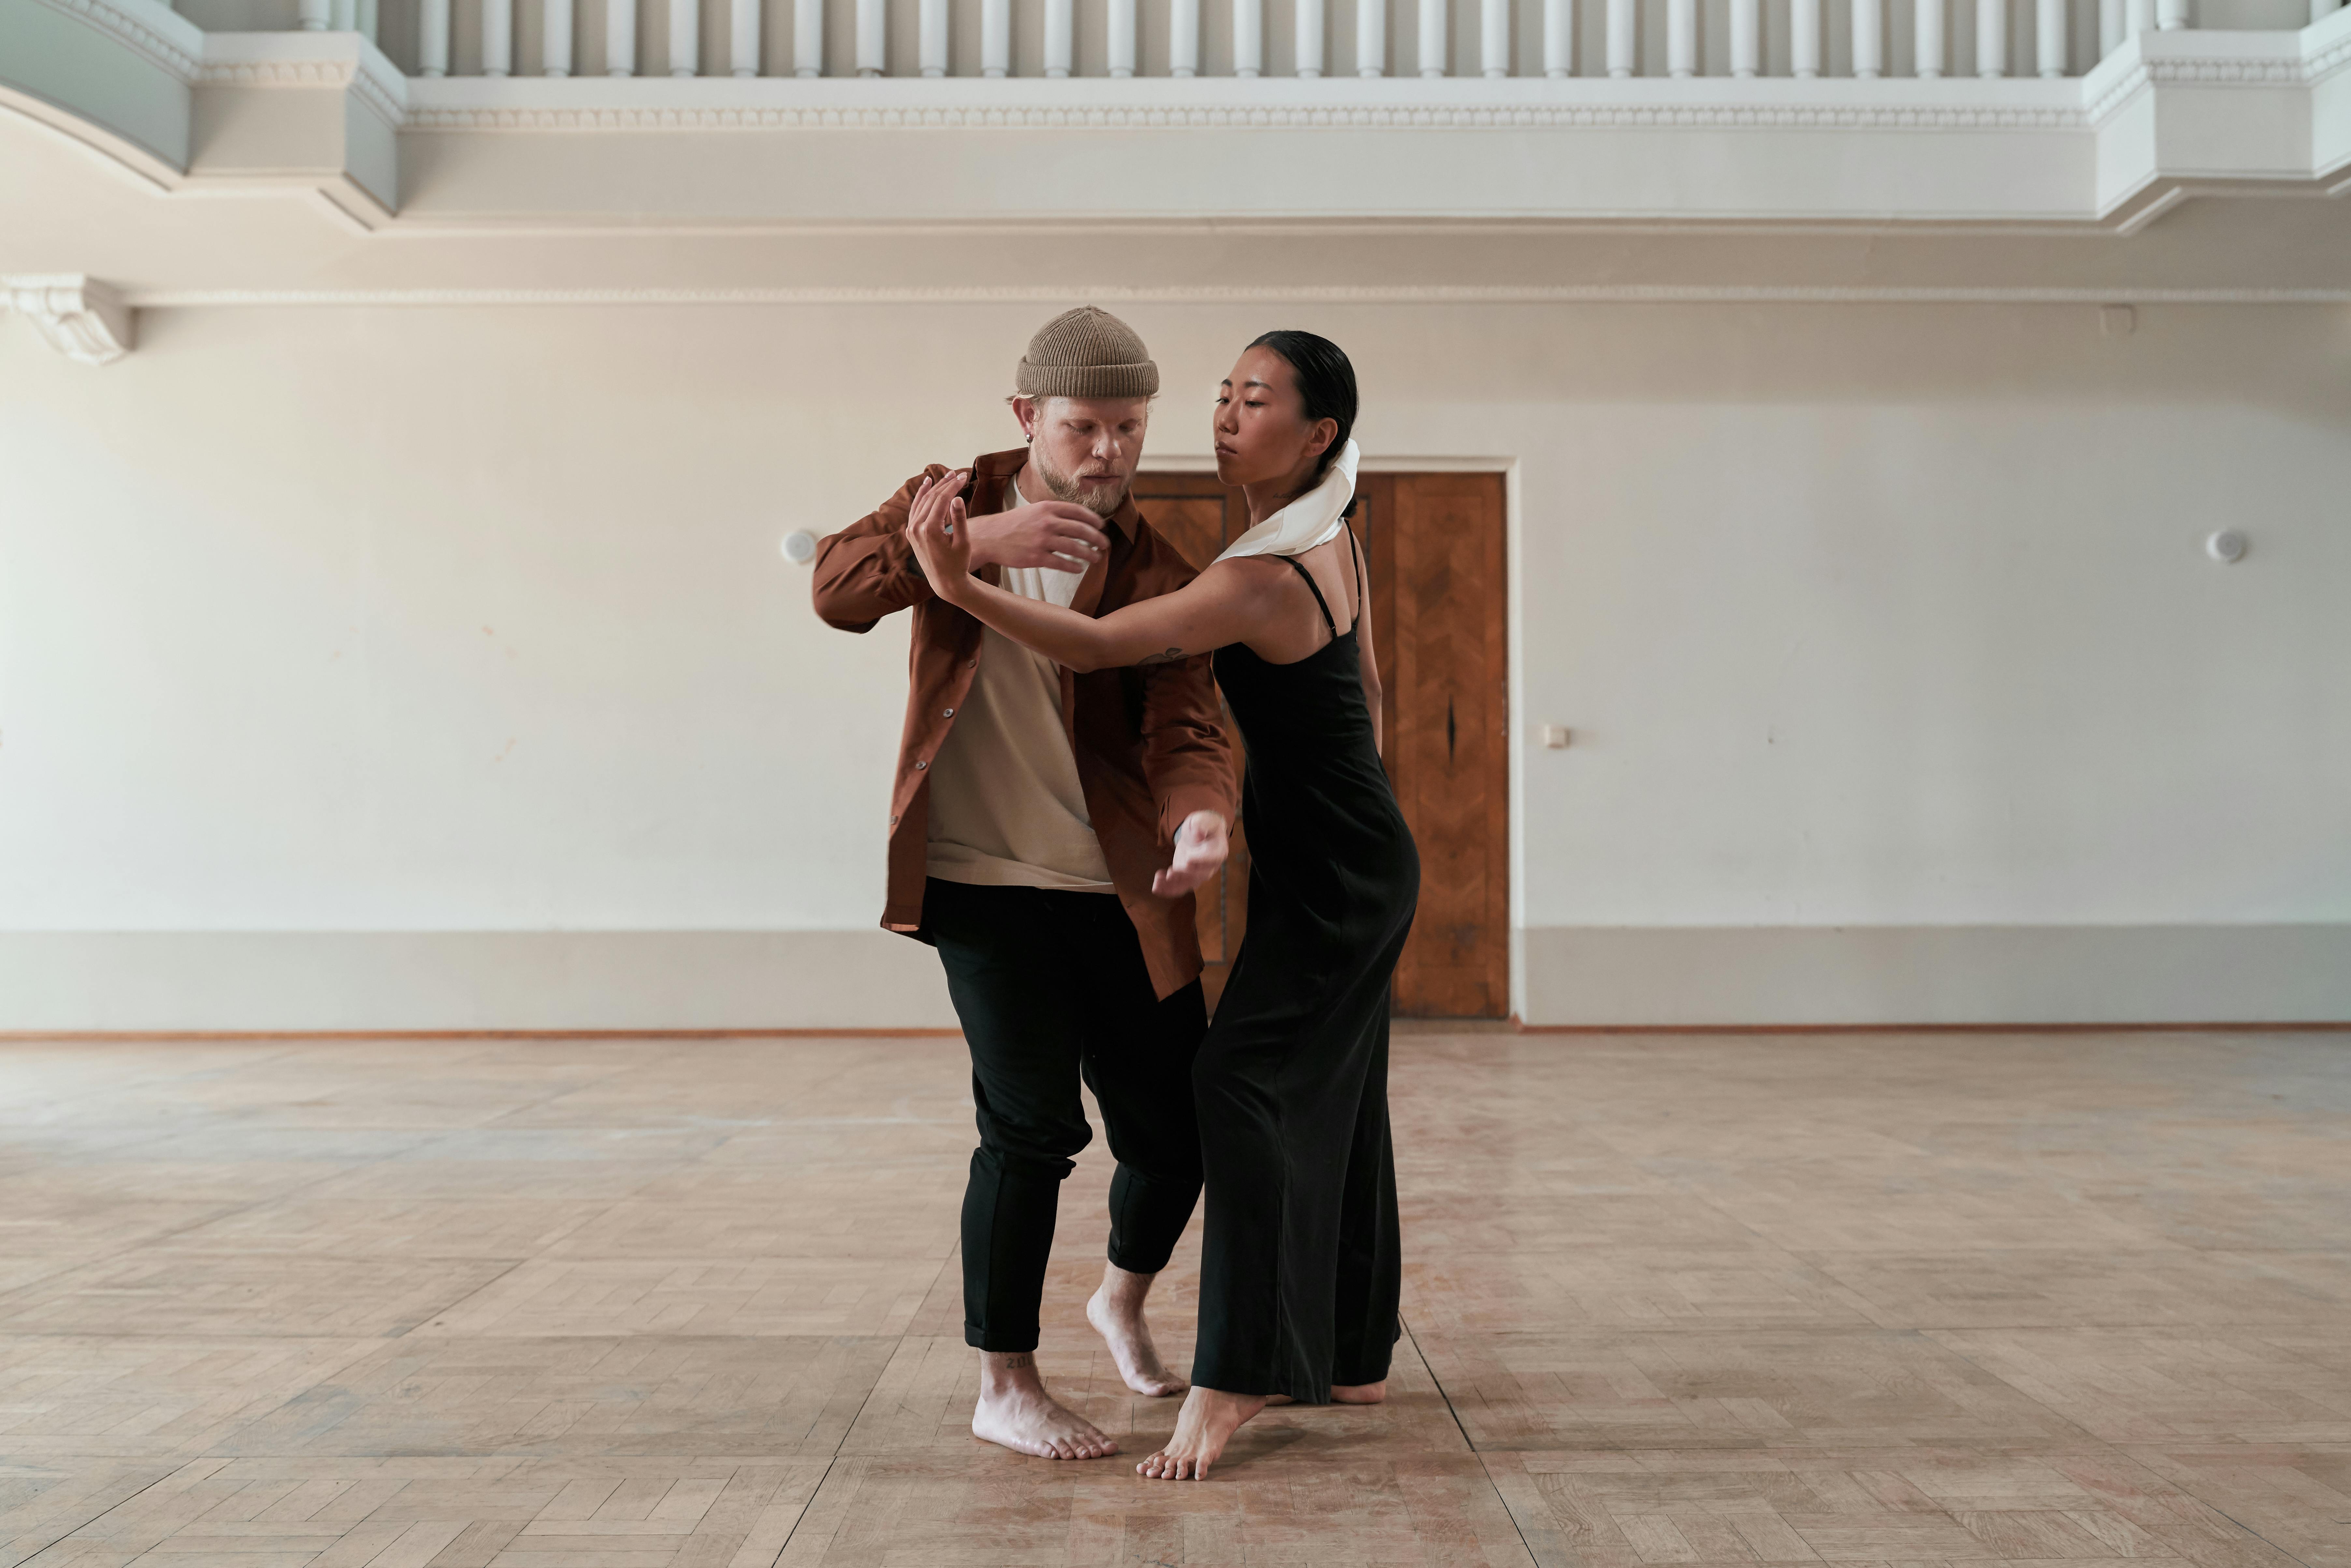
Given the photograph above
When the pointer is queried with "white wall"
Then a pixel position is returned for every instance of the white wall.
(320, 626)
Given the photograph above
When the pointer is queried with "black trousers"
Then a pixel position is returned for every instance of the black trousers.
(1050, 987)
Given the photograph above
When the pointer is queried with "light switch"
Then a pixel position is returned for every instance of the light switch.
(1553, 735)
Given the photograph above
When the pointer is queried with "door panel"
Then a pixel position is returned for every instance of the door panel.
(1434, 545)
(1445, 680)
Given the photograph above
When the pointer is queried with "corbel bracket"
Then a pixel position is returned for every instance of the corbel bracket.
(81, 318)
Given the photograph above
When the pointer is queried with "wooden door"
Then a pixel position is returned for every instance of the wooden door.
(1436, 548)
(1438, 623)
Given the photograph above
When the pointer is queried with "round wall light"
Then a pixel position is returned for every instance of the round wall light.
(799, 546)
(2227, 547)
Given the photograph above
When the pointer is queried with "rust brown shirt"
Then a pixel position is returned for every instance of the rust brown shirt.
(1150, 747)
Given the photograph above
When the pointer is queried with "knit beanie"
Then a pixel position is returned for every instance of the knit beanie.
(1086, 352)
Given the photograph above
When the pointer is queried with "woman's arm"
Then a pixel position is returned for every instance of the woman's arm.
(1221, 605)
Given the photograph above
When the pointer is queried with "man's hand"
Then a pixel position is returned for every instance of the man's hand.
(1201, 845)
(1056, 535)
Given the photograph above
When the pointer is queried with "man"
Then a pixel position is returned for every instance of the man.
(1045, 833)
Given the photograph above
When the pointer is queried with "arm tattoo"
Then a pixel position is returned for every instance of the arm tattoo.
(1172, 655)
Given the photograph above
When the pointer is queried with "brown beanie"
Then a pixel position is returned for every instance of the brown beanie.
(1086, 352)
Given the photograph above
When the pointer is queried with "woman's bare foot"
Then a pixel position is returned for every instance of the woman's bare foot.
(1203, 1427)
(1359, 1393)
(1015, 1411)
(1116, 1312)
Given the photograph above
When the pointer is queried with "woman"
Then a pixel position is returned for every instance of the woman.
(1300, 1269)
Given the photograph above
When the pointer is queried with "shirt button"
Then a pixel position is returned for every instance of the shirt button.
(893, 822)
(948, 714)
(920, 766)
(971, 663)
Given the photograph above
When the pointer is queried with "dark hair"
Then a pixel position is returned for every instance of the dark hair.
(1326, 385)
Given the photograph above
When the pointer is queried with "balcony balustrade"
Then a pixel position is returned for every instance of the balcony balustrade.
(1246, 39)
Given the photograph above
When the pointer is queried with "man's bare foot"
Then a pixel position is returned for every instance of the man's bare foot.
(1203, 1427)
(1015, 1411)
(1116, 1312)
(1359, 1393)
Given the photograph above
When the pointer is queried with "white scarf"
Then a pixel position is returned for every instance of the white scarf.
(1313, 520)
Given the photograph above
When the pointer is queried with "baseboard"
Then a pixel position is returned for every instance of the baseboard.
(687, 983)
(1934, 975)
(373, 982)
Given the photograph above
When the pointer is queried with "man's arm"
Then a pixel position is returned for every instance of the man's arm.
(1187, 758)
(868, 570)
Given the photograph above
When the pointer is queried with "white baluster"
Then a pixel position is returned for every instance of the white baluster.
(1060, 33)
(1371, 37)
(2171, 15)
(1121, 36)
(310, 15)
(995, 38)
(620, 37)
(1183, 38)
(343, 15)
(743, 22)
(1869, 39)
(1494, 37)
(1992, 37)
(1249, 37)
(932, 27)
(1804, 38)
(1746, 37)
(2110, 26)
(555, 39)
(1433, 52)
(1624, 36)
(808, 37)
(1927, 37)
(1681, 38)
(368, 17)
(1310, 37)
(2322, 9)
(2138, 17)
(497, 38)
(1559, 38)
(873, 38)
(685, 37)
(2049, 37)
(432, 38)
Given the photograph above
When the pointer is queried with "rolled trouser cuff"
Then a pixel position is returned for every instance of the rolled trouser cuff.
(1004, 1342)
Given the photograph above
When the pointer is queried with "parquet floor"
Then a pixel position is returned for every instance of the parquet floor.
(1953, 1300)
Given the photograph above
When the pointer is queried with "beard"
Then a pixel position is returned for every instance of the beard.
(1101, 494)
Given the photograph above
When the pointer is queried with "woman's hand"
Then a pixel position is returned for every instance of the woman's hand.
(935, 528)
(1201, 845)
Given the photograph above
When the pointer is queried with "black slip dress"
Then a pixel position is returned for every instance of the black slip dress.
(1299, 1270)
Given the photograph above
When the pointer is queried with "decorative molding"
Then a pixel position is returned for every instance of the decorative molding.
(317, 61)
(2126, 87)
(156, 33)
(1403, 294)
(2221, 72)
(2213, 71)
(81, 318)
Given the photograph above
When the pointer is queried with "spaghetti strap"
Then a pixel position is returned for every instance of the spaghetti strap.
(1320, 603)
